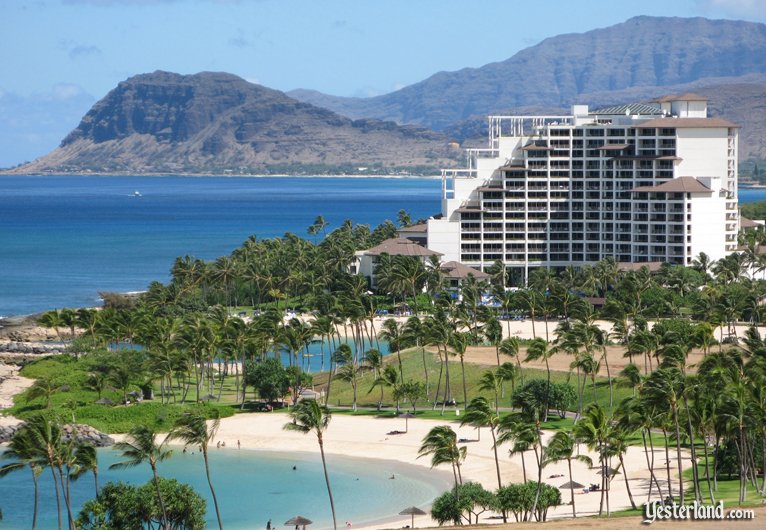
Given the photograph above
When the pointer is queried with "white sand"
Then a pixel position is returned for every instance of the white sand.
(367, 437)
(11, 383)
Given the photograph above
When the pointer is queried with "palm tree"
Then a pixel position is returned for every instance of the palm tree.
(664, 389)
(192, 429)
(45, 440)
(459, 342)
(309, 416)
(24, 453)
(491, 381)
(389, 377)
(43, 387)
(595, 430)
(141, 447)
(562, 447)
(86, 459)
(538, 349)
(393, 333)
(441, 444)
(510, 347)
(480, 414)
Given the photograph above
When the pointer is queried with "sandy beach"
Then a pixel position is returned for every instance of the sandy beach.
(11, 383)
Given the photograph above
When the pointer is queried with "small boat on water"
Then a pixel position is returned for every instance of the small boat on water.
(136, 193)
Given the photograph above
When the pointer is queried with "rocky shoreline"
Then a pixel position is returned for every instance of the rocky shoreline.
(31, 348)
(84, 433)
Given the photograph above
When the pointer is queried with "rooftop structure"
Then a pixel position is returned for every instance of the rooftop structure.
(640, 183)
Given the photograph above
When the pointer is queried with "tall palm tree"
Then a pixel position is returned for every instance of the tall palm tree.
(562, 447)
(24, 453)
(441, 444)
(595, 430)
(86, 459)
(480, 414)
(193, 429)
(45, 438)
(393, 333)
(141, 447)
(510, 347)
(389, 377)
(538, 349)
(309, 416)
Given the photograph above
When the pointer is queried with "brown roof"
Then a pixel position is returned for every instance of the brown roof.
(677, 185)
(468, 209)
(397, 246)
(422, 227)
(689, 96)
(614, 146)
(490, 188)
(625, 266)
(687, 123)
(458, 271)
(744, 222)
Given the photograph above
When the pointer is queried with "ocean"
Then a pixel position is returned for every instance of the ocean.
(65, 238)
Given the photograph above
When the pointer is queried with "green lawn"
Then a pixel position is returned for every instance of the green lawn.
(79, 402)
(341, 393)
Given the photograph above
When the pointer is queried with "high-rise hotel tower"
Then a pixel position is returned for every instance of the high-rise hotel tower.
(638, 183)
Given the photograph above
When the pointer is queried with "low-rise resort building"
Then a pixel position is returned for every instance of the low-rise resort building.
(639, 183)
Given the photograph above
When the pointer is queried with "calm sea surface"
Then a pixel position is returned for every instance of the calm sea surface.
(63, 239)
(252, 487)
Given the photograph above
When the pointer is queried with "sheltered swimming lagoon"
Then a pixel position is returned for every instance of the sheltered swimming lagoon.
(252, 487)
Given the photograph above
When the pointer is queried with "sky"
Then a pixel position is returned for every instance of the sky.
(58, 57)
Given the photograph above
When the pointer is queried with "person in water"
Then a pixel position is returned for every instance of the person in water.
(268, 525)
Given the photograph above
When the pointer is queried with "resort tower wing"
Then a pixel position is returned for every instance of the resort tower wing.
(639, 183)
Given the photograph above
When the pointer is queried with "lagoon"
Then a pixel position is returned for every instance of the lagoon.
(252, 487)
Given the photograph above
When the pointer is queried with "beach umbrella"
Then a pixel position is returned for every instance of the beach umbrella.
(610, 471)
(407, 415)
(412, 511)
(298, 520)
(570, 485)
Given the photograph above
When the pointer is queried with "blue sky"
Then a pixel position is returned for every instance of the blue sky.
(60, 56)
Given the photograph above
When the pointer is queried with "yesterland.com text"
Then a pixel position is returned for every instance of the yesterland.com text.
(663, 511)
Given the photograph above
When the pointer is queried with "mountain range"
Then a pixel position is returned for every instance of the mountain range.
(214, 122)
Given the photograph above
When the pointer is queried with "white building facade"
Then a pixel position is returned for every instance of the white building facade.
(638, 183)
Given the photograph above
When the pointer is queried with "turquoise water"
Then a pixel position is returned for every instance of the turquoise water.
(252, 487)
(64, 238)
